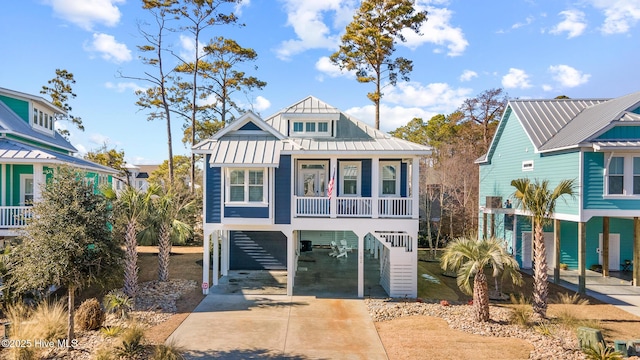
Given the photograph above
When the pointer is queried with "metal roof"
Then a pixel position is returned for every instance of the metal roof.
(588, 123)
(11, 123)
(17, 152)
(245, 151)
(351, 136)
(616, 145)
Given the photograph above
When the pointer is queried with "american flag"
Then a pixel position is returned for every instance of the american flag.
(331, 183)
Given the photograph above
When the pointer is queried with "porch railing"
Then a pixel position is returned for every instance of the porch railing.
(12, 217)
(395, 207)
(308, 206)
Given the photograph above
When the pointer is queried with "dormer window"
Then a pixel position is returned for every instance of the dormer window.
(310, 128)
(42, 120)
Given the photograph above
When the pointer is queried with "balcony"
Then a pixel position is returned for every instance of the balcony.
(356, 207)
(14, 217)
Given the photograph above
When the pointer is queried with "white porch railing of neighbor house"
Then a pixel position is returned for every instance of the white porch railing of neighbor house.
(12, 217)
(308, 206)
(395, 207)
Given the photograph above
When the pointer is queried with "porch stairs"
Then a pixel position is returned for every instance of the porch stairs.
(256, 252)
(398, 263)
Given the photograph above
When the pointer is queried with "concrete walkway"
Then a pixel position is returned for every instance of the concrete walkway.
(243, 326)
(615, 290)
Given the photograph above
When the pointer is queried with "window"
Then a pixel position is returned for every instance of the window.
(297, 127)
(246, 185)
(35, 116)
(26, 190)
(636, 176)
(323, 127)
(41, 118)
(389, 179)
(527, 165)
(616, 176)
(350, 176)
(310, 127)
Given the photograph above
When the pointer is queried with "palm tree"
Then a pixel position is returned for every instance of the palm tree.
(536, 198)
(133, 205)
(167, 210)
(469, 258)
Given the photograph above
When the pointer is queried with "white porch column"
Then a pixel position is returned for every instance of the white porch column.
(224, 256)
(333, 203)
(215, 240)
(38, 181)
(375, 187)
(205, 262)
(360, 265)
(415, 188)
(291, 260)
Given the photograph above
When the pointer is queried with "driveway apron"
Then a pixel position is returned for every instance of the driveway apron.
(242, 326)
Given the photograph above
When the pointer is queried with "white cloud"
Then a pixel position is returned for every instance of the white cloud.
(86, 13)
(391, 118)
(547, 87)
(620, 15)
(325, 66)
(467, 75)
(240, 5)
(109, 48)
(123, 86)
(437, 30)
(568, 76)
(527, 21)
(573, 24)
(306, 17)
(82, 150)
(516, 78)
(99, 139)
(439, 97)
(261, 103)
(188, 47)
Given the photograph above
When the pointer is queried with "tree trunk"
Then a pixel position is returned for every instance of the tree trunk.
(481, 297)
(540, 286)
(70, 304)
(131, 261)
(164, 250)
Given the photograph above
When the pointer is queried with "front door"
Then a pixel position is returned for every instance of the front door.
(311, 182)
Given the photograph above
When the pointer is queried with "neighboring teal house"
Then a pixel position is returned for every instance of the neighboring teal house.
(30, 151)
(594, 141)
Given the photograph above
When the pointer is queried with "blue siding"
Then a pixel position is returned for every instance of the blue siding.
(511, 148)
(621, 133)
(250, 126)
(283, 191)
(403, 180)
(214, 183)
(366, 178)
(246, 212)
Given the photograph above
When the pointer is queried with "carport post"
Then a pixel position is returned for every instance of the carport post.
(556, 250)
(291, 260)
(361, 266)
(636, 251)
(582, 255)
(205, 263)
(216, 255)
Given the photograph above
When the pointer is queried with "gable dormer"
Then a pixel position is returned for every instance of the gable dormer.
(311, 118)
(39, 113)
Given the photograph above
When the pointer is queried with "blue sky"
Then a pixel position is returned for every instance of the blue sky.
(531, 48)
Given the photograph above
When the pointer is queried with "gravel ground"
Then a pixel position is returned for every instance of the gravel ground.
(561, 344)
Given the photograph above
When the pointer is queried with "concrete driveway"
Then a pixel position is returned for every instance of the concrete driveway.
(243, 326)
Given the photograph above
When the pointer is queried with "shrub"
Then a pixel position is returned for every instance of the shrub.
(132, 342)
(89, 315)
(168, 351)
(575, 299)
(522, 312)
(602, 352)
(544, 329)
(111, 331)
(105, 353)
(118, 302)
(50, 320)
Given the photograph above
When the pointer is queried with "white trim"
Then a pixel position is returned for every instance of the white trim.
(527, 165)
(344, 164)
(398, 173)
(247, 186)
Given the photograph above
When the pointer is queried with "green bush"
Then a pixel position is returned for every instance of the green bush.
(602, 352)
(89, 315)
(132, 342)
(116, 301)
(168, 351)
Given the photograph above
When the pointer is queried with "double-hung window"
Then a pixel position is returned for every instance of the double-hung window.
(623, 176)
(350, 179)
(616, 175)
(246, 186)
(389, 179)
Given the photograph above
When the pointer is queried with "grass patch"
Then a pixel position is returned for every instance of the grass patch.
(430, 289)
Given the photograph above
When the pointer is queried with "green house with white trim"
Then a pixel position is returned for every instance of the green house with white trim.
(596, 142)
(30, 151)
